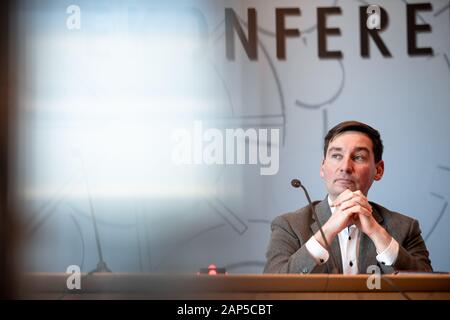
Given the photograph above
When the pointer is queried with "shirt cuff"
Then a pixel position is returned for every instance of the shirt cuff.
(389, 255)
(315, 249)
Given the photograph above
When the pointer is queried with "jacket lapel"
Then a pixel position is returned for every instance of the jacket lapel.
(367, 250)
(323, 214)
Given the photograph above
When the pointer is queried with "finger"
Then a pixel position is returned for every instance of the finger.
(358, 193)
(365, 212)
(357, 209)
(350, 212)
(364, 203)
(344, 196)
(355, 202)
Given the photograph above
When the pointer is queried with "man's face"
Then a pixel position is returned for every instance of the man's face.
(350, 164)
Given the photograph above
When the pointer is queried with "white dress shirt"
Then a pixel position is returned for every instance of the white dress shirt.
(349, 239)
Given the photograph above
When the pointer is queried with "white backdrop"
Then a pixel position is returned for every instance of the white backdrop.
(98, 105)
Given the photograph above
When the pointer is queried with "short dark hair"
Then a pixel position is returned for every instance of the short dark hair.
(345, 126)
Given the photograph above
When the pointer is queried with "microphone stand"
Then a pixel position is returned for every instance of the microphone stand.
(297, 184)
(101, 265)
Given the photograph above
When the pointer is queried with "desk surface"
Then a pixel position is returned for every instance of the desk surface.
(163, 286)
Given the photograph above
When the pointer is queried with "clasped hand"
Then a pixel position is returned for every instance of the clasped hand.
(352, 208)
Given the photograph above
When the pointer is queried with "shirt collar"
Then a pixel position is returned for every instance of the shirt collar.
(329, 204)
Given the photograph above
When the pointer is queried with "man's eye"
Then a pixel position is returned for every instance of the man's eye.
(336, 156)
(359, 158)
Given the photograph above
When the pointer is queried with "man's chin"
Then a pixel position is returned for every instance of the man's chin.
(338, 190)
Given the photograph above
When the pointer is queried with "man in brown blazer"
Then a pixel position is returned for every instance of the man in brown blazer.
(359, 233)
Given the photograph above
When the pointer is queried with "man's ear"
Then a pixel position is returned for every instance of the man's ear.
(321, 168)
(380, 170)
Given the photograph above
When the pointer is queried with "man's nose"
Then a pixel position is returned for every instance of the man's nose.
(346, 165)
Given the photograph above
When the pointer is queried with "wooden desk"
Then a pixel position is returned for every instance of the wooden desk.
(249, 287)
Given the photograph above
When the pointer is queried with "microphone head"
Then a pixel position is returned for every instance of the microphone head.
(296, 183)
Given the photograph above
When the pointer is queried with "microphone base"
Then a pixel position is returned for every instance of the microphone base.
(101, 268)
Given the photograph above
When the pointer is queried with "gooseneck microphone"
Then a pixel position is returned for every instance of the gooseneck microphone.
(297, 184)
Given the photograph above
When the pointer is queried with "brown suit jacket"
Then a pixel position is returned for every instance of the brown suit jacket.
(287, 253)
